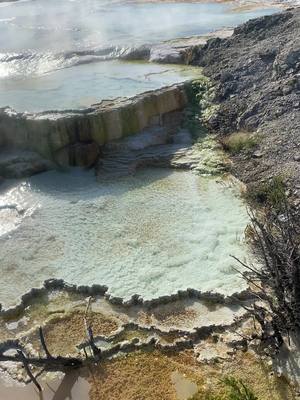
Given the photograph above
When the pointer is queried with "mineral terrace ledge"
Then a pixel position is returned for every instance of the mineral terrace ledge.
(102, 290)
(74, 137)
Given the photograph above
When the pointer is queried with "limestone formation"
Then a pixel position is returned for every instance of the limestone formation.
(73, 137)
(20, 164)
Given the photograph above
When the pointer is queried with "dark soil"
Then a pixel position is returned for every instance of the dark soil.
(257, 79)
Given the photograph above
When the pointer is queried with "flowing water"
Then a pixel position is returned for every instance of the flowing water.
(40, 39)
(151, 234)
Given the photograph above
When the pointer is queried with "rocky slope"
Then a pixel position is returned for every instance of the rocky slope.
(257, 76)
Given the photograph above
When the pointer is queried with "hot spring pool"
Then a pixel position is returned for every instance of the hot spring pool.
(58, 54)
(81, 86)
(152, 234)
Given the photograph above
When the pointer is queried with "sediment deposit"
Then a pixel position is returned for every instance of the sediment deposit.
(74, 137)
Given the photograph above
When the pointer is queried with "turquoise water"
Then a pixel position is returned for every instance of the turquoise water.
(151, 234)
(83, 85)
(76, 25)
(53, 54)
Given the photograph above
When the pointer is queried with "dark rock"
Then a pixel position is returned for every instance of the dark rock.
(137, 53)
(79, 155)
(257, 87)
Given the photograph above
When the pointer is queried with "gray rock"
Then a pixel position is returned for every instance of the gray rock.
(78, 154)
(20, 164)
(297, 157)
(137, 53)
(257, 87)
(165, 54)
(258, 154)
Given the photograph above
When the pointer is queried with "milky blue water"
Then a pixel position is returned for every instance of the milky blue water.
(151, 234)
(57, 25)
(40, 38)
(87, 84)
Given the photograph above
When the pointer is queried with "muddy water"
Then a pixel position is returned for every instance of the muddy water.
(184, 387)
(71, 386)
(75, 386)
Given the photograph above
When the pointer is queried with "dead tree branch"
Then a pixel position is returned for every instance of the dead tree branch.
(53, 364)
(96, 352)
(43, 343)
(275, 235)
(27, 369)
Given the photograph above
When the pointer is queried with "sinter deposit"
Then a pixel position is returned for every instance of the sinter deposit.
(151, 234)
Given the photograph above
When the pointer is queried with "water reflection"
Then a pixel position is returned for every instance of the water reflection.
(71, 386)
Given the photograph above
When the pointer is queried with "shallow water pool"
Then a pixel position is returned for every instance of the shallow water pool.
(54, 54)
(84, 85)
(151, 234)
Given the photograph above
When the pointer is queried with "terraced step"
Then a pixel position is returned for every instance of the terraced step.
(150, 148)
